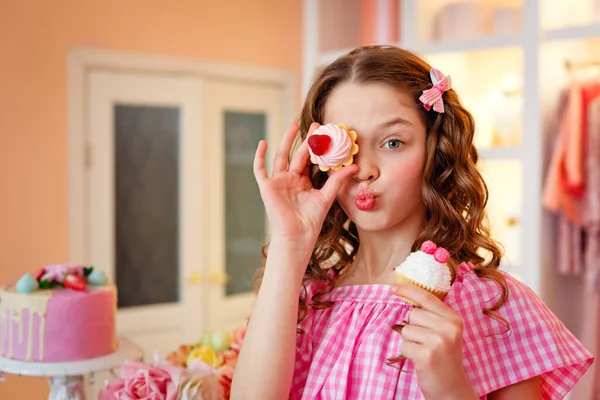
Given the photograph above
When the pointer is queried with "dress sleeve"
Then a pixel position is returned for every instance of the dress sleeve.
(537, 344)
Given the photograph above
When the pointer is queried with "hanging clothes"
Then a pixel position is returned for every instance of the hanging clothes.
(572, 191)
(555, 197)
(570, 173)
(592, 200)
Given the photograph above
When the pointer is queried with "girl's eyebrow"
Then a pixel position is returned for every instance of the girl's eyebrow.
(396, 121)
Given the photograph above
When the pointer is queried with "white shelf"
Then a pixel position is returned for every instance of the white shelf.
(589, 31)
(475, 44)
(499, 153)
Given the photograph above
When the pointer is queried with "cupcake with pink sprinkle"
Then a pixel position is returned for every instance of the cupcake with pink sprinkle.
(427, 269)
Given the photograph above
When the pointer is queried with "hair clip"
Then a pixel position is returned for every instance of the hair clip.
(432, 98)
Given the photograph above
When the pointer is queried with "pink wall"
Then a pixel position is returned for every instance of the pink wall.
(35, 37)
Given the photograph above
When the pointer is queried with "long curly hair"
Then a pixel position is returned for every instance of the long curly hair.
(453, 190)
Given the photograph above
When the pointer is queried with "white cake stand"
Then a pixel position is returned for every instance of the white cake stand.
(66, 378)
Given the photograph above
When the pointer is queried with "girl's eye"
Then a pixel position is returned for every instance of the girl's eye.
(392, 144)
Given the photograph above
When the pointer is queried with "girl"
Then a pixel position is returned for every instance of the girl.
(328, 322)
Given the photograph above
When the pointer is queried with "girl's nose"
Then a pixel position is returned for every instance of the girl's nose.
(368, 170)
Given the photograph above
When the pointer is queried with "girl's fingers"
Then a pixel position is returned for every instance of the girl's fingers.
(313, 127)
(417, 334)
(336, 180)
(301, 156)
(260, 173)
(424, 318)
(300, 159)
(425, 299)
(280, 162)
(410, 350)
(306, 171)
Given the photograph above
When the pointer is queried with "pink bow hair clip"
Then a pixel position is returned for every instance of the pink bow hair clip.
(432, 98)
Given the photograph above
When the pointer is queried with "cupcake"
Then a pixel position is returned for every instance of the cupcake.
(332, 147)
(427, 269)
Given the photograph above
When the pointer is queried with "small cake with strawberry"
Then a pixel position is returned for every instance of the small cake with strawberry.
(332, 147)
(60, 313)
(428, 269)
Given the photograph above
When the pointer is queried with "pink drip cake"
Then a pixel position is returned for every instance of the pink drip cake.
(63, 313)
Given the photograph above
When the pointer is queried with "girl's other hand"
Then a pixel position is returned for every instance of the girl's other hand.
(295, 209)
(433, 338)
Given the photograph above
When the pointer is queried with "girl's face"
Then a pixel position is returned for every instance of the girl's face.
(385, 194)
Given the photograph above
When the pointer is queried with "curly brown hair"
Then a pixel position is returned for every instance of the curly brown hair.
(453, 190)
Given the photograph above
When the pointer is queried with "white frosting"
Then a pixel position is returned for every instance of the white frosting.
(339, 150)
(424, 268)
(36, 303)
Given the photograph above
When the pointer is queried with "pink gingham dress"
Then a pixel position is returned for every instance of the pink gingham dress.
(344, 351)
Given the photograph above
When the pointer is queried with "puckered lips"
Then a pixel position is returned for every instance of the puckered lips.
(365, 200)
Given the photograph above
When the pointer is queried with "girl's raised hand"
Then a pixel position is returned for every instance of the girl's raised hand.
(295, 209)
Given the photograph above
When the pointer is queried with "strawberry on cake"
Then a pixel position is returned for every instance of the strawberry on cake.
(332, 147)
(61, 313)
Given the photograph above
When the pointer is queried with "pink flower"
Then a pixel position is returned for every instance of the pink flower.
(76, 269)
(230, 357)
(237, 338)
(55, 272)
(225, 377)
(199, 369)
(143, 381)
(113, 390)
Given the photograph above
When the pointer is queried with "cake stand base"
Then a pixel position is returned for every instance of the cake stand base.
(67, 378)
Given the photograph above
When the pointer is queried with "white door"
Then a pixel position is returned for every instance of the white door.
(174, 213)
(236, 115)
(145, 195)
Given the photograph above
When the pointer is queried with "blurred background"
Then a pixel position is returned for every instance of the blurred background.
(128, 129)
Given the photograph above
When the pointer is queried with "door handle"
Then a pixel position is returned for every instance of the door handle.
(218, 277)
(195, 278)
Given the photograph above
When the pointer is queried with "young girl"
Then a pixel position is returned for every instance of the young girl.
(329, 322)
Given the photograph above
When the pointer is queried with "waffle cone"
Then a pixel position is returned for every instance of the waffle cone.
(401, 279)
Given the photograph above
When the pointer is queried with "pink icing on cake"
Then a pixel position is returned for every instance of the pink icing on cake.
(341, 151)
(68, 325)
(65, 321)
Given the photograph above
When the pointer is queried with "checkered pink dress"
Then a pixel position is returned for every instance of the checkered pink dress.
(344, 350)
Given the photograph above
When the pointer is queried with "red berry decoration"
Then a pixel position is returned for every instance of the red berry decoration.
(319, 144)
(428, 247)
(74, 282)
(39, 274)
(441, 255)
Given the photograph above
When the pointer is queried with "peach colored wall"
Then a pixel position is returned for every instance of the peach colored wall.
(35, 36)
